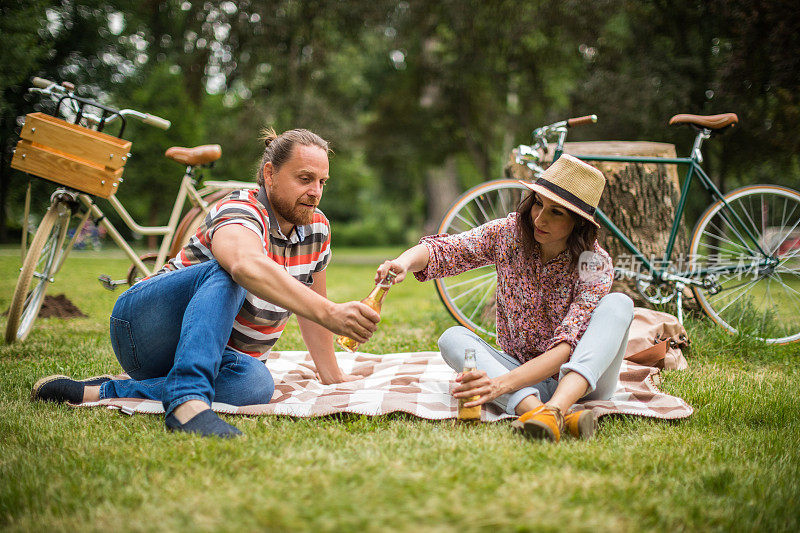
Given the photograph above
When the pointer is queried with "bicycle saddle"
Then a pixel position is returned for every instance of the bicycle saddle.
(712, 122)
(199, 155)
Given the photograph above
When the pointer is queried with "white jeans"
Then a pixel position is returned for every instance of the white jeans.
(597, 356)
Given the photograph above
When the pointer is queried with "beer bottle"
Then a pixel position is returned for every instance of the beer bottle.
(469, 414)
(374, 300)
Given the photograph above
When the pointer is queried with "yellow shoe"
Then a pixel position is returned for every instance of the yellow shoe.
(581, 424)
(545, 422)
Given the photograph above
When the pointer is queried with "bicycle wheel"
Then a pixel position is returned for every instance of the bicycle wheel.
(42, 261)
(470, 297)
(134, 274)
(755, 294)
(192, 220)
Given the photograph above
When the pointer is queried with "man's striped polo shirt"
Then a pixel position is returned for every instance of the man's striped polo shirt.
(304, 252)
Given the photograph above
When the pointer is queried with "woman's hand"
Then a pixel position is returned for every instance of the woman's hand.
(395, 266)
(476, 383)
(414, 259)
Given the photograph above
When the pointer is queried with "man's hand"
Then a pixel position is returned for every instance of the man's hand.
(353, 319)
(343, 378)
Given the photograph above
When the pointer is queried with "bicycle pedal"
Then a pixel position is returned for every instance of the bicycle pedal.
(110, 284)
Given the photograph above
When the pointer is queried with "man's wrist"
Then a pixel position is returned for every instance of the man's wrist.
(321, 313)
(331, 375)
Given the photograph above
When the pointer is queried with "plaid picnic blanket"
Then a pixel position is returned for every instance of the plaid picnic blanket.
(419, 383)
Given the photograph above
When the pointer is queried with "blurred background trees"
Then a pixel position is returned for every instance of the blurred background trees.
(419, 99)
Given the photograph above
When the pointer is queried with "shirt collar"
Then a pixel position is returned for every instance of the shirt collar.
(561, 258)
(297, 234)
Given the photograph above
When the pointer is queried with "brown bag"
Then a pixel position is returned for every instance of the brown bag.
(655, 339)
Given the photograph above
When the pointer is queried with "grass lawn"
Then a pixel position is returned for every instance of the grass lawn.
(734, 465)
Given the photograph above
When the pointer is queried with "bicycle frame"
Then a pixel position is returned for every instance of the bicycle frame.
(186, 191)
(659, 273)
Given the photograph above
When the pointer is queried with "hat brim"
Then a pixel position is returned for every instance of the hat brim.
(550, 195)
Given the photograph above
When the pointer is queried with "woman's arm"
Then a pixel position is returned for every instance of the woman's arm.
(414, 259)
(477, 383)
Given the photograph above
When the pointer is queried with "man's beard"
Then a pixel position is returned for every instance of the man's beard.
(297, 214)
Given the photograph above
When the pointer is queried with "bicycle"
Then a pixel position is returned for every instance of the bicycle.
(750, 232)
(86, 162)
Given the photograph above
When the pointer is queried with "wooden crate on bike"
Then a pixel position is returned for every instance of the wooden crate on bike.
(71, 155)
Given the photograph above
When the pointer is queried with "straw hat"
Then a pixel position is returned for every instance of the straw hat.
(572, 184)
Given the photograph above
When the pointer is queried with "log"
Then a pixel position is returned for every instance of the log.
(640, 199)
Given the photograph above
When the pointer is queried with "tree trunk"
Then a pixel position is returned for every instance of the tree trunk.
(640, 199)
(441, 186)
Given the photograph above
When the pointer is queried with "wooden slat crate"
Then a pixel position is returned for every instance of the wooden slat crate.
(80, 158)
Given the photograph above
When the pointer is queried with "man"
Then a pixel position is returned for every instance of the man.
(191, 333)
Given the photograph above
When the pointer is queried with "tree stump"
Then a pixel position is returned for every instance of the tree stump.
(640, 199)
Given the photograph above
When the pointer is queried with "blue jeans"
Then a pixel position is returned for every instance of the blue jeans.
(169, 334)
(597, 356)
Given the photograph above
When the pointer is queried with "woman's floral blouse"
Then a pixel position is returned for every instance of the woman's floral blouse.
(538, 305)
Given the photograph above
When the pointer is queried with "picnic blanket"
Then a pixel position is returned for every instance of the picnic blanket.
(419, 383)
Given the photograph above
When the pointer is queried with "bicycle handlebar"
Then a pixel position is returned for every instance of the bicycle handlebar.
(65, 90)
(158, 122)
(581, 121)
(42, 83)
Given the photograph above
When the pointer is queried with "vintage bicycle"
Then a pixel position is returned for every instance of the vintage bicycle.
(87, 163)
(743, 264)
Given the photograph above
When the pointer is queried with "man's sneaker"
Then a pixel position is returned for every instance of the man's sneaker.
(581, 424)
(544, 422)
(62, 389)
(205, 423)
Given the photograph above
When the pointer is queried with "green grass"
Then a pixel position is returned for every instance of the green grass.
(734, 465)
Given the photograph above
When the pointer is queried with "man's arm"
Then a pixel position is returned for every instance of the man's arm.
(241, 253)
(319, 341)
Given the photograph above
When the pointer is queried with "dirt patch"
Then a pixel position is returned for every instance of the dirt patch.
(59, 306)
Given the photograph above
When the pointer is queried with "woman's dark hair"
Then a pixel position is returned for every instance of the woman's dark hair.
(278, 148)
(580, 240)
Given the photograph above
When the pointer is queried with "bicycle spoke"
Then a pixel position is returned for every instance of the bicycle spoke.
(746, 212)
(472, 280)
(720, 237)
(473, 289)
(719, 249)
(480, 304)
(480, 203)
(792, 294)
(503, 203)
(736, 231)
(784, 220)
(788, 233)
(466, 222)
(742, 290)
(788, 287)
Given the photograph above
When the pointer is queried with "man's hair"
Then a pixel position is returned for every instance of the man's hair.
(278, 148)
(582, 237)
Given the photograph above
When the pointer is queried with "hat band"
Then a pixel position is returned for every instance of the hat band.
(566, 195)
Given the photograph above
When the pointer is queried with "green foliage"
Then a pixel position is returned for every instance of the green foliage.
(413, 95)
(152, 180)
(20, 24)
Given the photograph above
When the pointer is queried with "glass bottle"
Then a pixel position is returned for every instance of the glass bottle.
(469, 414)
(375, 300)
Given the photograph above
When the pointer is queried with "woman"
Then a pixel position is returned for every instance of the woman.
(563, 335)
